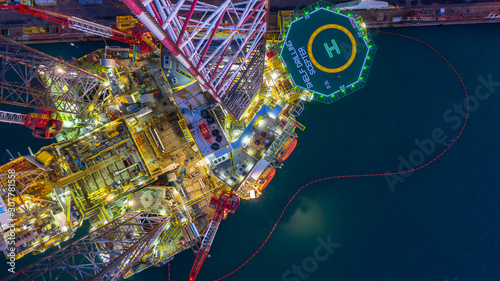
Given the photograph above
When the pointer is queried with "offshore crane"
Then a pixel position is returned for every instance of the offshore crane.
(76, 23)
(41, 123)
(44, 124)
(226, 203)
(30, 78)
(137, 37)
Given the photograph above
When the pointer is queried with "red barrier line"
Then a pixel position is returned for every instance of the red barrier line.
(369, 175)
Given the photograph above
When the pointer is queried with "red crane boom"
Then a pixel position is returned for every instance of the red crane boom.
(226, 203)
(75, 23)
(43, 125)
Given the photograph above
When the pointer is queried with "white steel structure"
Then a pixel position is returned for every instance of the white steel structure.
(221, 43)
(30, 78)
(12, 117)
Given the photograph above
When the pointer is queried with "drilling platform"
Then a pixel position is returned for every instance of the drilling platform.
(156, 143)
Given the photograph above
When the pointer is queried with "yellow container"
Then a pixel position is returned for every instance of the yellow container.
(114, 134)
(45, 158)
(27, 30)
(125, 22)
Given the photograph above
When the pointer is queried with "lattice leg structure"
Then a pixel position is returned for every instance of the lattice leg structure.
(40, 81)
(222, 46)
(106, 253)
(18, 178)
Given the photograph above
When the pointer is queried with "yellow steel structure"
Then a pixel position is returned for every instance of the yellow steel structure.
(284, 18)
(125, 23)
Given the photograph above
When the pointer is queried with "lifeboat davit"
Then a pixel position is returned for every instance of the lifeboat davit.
(266, 177)
(287, 149)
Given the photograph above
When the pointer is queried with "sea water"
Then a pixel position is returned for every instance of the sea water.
(439, 223)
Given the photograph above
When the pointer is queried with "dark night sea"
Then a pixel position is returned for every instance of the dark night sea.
(439, 223)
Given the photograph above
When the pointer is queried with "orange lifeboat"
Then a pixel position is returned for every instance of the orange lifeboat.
(287, 149)
(266, 178)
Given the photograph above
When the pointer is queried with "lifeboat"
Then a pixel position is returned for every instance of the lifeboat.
(205, 132)
(266, 178)
(287, 149)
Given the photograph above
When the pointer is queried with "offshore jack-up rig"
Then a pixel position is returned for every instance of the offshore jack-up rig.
(155, 143)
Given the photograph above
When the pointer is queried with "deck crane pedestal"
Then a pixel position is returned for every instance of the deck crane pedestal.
(226, 203)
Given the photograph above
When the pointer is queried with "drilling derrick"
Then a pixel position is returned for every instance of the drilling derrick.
(106, 253)
(40, 81)
(222, 46)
